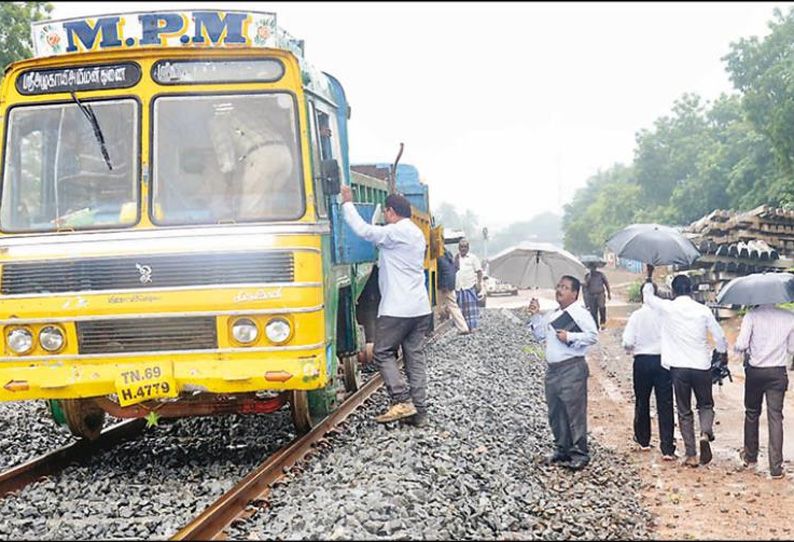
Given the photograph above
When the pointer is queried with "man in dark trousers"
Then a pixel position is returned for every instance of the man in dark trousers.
(686, 351)
(767, 336)
(566, 371)
(642, 337)
(447, 303)
(404, 311)
(596, 290)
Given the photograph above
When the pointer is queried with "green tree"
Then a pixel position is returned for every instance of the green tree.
(15, 19)
(736, 153)
(763, 71)
(608, 202)
(666, 155)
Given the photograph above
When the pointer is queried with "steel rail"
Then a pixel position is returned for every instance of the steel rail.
(211, 523)
(53, 462)
(217, 516)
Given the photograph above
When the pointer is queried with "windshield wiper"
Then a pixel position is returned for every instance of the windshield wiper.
(89, 114)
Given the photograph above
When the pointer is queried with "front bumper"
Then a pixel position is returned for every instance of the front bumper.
(302, 368)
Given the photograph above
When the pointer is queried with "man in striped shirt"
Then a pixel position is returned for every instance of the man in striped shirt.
(767, 339)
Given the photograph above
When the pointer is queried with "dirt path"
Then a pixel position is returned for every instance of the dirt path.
(720, 501)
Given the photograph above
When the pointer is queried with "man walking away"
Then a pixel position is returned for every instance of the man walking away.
(468, 283)
(642, 337)
(767, 335)
(404, 311)
(686, 325)
(448, 305)
(595, 287)
(568, 332)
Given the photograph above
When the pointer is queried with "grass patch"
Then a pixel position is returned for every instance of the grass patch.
(634, 291)
(535, 350)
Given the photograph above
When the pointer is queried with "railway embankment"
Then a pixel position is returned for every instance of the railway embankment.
(472, 473)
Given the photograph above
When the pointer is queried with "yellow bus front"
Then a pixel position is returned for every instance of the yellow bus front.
(155, 257)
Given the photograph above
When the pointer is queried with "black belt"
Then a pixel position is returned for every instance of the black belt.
(565, 362)
(257, 147)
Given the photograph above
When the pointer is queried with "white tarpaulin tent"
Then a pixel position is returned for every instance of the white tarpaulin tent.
(531, 264)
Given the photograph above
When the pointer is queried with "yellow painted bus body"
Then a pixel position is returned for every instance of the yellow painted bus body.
(231, 367)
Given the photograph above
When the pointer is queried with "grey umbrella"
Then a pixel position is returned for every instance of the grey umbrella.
(535, 264)
(654, 244)
(758, 289)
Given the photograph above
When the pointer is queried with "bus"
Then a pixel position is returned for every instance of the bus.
(171, 241)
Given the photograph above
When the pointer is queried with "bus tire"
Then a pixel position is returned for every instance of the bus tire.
(299, 408)
(351, 373)
(84, 417)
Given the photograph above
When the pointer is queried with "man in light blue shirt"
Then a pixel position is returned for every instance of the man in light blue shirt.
(404, 311)
(566, 371)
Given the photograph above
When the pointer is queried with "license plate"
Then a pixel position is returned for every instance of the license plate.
(149, 381)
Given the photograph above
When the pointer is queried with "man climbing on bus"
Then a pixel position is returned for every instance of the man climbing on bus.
(404, 311)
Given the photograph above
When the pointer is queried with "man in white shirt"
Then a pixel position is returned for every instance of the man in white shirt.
(404, 311)
(468, 283)
(767, 336)
(686, 325)
(642, 338)
(566, 372)
(259, 161)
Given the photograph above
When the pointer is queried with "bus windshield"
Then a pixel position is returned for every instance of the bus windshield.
(56, 175)
(230, 158)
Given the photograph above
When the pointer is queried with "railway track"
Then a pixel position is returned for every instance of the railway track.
(256, 486)
(53, 462)
(211, 523)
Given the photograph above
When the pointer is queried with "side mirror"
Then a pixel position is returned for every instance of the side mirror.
(330, 176)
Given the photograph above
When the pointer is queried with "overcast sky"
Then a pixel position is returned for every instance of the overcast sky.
(505, 108)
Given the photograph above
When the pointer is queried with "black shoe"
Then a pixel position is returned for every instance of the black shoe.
(555, 458)
(417, 420)
(705, 450)
(577, 464)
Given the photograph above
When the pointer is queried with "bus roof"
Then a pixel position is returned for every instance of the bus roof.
(198, 29)
(169, 28)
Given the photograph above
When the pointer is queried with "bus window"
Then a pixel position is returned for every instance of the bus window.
(229, 158)
(319, 195)
(330, 138)
(56, 175)
(325, 136)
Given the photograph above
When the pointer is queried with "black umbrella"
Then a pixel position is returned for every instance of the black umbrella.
(758, 289)
(653, 244)
(589, 259)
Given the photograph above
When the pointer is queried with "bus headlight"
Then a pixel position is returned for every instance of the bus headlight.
(51, 338)
(245, 331)
(20, 340)
(278, 330)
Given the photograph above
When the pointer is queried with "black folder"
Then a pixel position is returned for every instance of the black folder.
(565, 322)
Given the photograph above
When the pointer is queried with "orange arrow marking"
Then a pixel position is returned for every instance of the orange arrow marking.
(277, 376)
(17, 385)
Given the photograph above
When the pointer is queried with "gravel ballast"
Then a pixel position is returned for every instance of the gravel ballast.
(472, 473)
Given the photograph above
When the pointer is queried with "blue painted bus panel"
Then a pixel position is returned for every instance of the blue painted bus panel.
(349, 247)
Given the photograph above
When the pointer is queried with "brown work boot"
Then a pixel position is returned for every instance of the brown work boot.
(746, 461)
(691, 461)
(396, 412)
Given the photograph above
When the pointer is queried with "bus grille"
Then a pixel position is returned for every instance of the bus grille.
(146, 335)
(155, 271)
